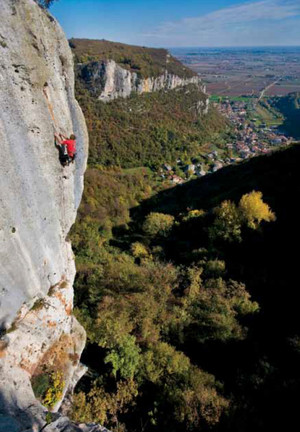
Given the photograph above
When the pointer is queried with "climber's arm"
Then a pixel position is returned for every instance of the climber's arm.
(58, 138)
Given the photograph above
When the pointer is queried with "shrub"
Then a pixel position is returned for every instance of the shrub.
(38, 305)
(55, 391)
(40, 385)
(138, 250)
(48, 388)
(192, 214)
(215, 268)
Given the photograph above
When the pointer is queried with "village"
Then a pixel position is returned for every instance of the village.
(253, 137)
(250, 138)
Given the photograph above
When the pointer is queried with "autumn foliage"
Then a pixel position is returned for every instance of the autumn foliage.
(144, 298)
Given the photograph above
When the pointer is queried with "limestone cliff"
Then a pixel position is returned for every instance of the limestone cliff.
(108, 80)
(38, 204)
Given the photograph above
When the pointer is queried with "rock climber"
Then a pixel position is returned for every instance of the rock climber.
(67, 148)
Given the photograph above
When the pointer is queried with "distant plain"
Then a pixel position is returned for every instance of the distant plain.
(270, 71)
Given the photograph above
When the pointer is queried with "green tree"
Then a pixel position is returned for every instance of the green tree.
(215, 310)
(229, 218)
(188, 389)
(162, 361)
(158, 224)
(99, 406)
(253, 210)
(45, 3)
(125, 357)
(227, 224)
(197, 401)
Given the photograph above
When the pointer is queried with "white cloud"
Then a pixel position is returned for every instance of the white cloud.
(245, 24)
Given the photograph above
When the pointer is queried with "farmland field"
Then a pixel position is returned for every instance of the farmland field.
(245, 71)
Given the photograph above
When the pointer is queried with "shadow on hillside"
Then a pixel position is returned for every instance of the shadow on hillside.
(267, 261)
(276, 175)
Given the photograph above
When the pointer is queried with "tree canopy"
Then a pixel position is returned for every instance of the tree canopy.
(149, 300)
(45, 3)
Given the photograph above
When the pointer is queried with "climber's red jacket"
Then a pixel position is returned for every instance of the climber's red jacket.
(71, 147)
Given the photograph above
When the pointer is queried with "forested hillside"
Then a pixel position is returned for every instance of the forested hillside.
(147, 129)
(147, 62)
(150, 129)
(190, 311)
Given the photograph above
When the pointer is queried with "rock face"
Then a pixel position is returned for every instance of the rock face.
(110, 81)
(38, 204)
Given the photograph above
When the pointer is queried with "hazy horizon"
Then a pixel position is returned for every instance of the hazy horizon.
(196, 23)
(195, 46)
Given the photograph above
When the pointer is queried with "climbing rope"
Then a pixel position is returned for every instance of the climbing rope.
(50, 108)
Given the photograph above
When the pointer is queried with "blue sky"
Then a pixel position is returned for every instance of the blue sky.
(166, 23)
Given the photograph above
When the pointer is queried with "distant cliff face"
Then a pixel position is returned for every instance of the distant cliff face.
(38, 204)
(107, 80)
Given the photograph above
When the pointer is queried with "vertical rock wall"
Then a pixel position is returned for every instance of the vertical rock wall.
(38, 204)
(110, 81)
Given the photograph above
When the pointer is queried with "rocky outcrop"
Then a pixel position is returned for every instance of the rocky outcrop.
(107, 80)
(38, 204)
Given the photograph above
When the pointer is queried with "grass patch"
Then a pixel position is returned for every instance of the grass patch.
(218, 98)
(138, 170)
(267, 115)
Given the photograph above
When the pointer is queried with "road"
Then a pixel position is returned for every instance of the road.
(262, 93)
